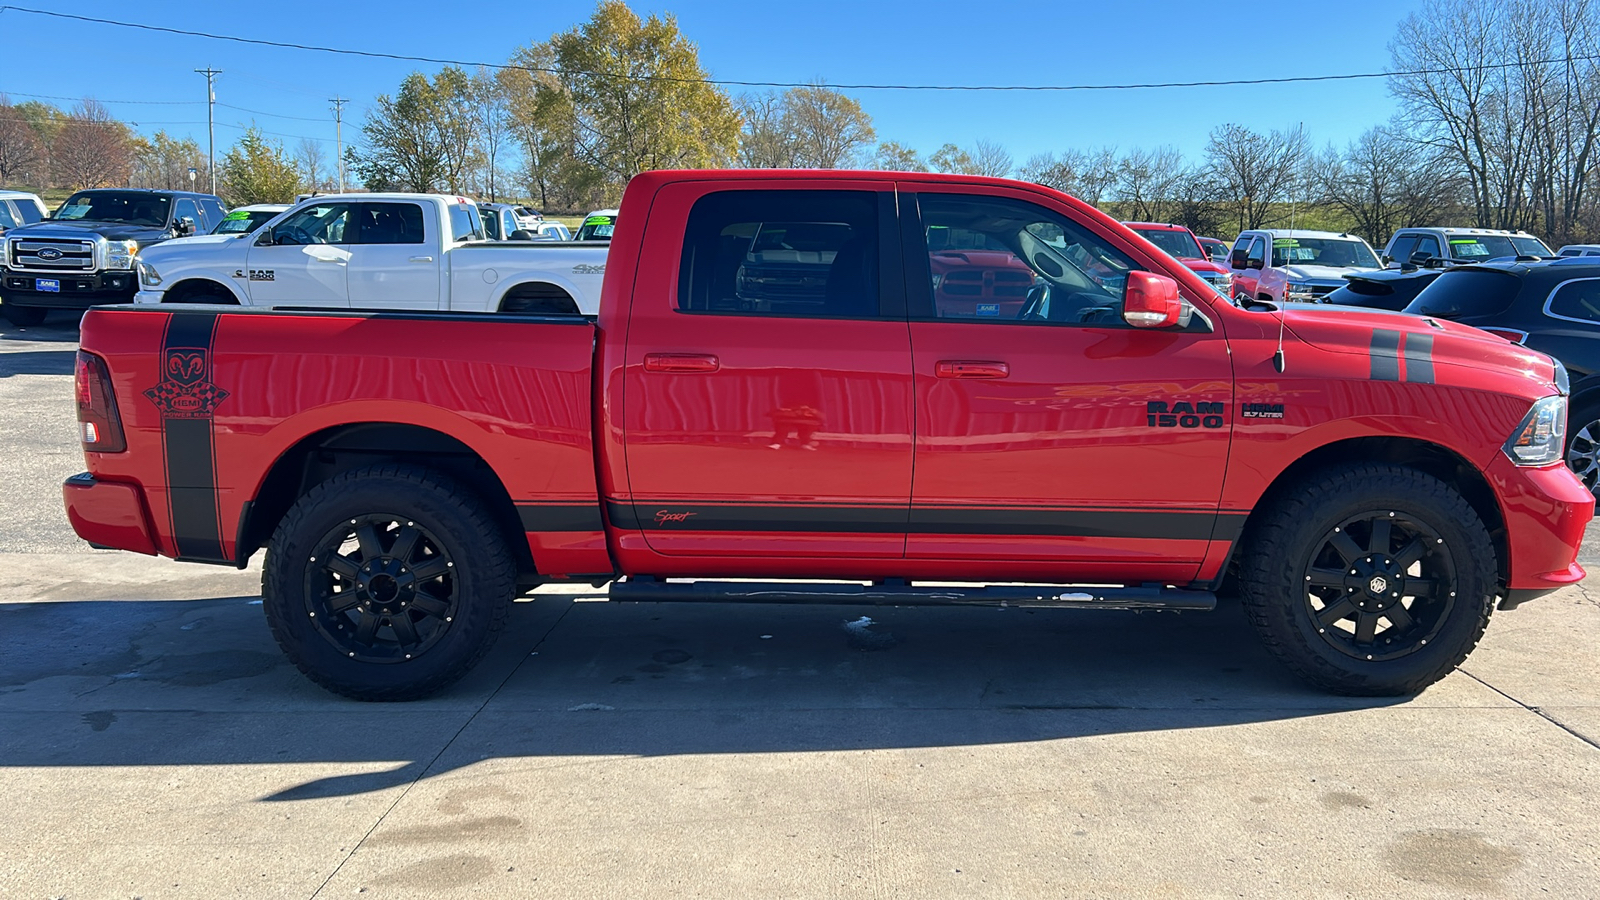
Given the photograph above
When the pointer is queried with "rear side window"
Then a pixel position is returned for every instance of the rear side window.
(390, 223)
(465, 225)
(782, 253)
(1467, 293)
(1578, 300)
(7, 220)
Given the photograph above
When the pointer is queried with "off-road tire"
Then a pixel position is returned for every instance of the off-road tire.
(481, 578)
(1285, 543)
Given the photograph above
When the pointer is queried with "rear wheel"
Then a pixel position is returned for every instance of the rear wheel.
(387, 583)
(23, 315)
(1371, 580)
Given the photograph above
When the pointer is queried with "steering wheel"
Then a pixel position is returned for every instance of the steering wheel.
(296, 235)
(1038, 297)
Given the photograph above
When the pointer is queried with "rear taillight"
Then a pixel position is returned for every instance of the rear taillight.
(99, 426)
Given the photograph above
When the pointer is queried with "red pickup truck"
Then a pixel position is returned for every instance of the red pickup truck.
(1120, 436)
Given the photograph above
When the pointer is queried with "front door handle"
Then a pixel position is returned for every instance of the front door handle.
(971, 368)
(680, 362)
(422, 259)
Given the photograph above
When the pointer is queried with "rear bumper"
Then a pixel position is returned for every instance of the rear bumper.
(109, 515)
(1546, 511)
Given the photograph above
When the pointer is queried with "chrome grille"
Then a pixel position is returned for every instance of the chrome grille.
(34, 255)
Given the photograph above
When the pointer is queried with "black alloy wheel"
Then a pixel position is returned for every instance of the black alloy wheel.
(382, 589)
(1380, 586)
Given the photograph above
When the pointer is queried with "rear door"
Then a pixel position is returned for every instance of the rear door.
(1057, 437)
(395, 260)
(768, 385)
(307, 263)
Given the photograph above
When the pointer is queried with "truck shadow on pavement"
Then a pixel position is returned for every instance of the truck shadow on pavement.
(37, 362)
(59, 327)
(135, 683)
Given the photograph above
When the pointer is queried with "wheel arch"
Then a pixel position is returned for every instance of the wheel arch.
(545, 294)
(187, 287)
(325, 453)
(1439, 461)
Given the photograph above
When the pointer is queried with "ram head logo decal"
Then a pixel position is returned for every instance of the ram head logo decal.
(185, 366)
(184, 392)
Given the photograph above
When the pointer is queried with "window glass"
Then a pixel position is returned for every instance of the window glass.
(1338, 252)
(7, 220)
(597, 228)
(1258, 250)
(30, 212)
(491, 225)
(999, 259)
(1243, 243)
(183, 206)
(243, 222)
(390, 223)
(1467, 292)
(212, 211)
(1490, 246)
(1177, 244)
(1568, 251)
(782, 253)
(465, 224)
(1403, 247)
(323, 223)
(124, 207)
(1430, 245)
(1577, 300)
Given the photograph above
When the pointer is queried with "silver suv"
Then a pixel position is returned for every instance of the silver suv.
(1459, 246)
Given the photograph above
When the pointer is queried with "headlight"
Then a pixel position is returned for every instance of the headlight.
(1298, 289)
(120, 254)
(148, 276)
(1541, 438)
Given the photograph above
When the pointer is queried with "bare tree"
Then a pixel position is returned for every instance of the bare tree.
(991, 159)
(1384, 181)
(22, 154)
(311, 161)
(1147, 184)
(1255, 171)
(493, 112)
(891, 156)
(828, 128)
(1087, 175)
(765, 141)
(92, 149)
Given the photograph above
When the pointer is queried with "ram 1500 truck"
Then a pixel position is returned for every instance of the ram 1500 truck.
(1123, 437)
(389, 251)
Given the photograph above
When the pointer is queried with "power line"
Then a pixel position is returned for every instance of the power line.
(373, 54)
(272, 115)
(98, 100)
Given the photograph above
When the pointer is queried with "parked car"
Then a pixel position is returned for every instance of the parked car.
(1385, 288)
(18, 208)
(1181, 244)
(550, 231)
(390, 251)
(1579, 250)
(500, 222)
(597, 225)
(1279, 264)
(1380, 486)
(84, 253)
(245, 220)
(1552, 306)
(1216, 251)
(1460, 246)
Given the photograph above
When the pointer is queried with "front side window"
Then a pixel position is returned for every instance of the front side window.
(211, 211)
(30, 211)
(323, 223)
(1404, 246)
(1337, 252)
(186, 207)
(7, 220)
(1429, 245)
(782, 253)
(122, 207)
(1006, 260)
(390, 223)
(1258, 250)
(1579, 299)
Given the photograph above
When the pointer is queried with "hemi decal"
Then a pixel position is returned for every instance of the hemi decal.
(187, 399)
(1385, 355)
(1419, 358)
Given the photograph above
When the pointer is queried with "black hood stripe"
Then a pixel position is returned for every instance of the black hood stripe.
(1385, 355)
(1419, 358)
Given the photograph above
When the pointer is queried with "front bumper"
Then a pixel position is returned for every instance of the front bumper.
(78, 290)
(1546, 511)
(109, 515)
(149, 296)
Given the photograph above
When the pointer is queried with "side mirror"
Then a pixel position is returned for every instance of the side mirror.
(521, 235)
(184, 226)
(1237, 259)
(1254, 264)
(1151, 301)
(266, 239)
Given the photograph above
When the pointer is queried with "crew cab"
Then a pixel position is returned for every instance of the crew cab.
(389, 251)
(84, 253)
(1280, 264)
(1125, 438)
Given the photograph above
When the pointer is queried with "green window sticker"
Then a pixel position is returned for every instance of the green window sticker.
(1467, 241)
(597, 220)
(235, 216)
(1285, 242)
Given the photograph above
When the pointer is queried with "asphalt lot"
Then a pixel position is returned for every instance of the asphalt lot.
(154, 743)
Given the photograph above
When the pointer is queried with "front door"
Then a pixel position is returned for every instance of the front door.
(768, 394)
(394, 263)
(1050, 433)
(307, 262)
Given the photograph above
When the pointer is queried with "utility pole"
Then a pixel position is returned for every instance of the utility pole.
(338, 136)
(211, 122)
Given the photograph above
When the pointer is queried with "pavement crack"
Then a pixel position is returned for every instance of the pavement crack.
(423, 771)
(1536, 711)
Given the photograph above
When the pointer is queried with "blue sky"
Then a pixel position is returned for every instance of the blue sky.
(930, 42)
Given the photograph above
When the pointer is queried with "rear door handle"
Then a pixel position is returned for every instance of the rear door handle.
(971, 368)
(680, 362)
(422, 259)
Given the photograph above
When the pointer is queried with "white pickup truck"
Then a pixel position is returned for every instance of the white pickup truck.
(377, 251)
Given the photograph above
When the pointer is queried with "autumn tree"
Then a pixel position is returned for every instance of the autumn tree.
(91, 149)
(765, 138)
(492, 113)
(827, 127)
(422, 138)
(22, 153)
(163, 162)
(256, 170)
(893, 156)
(549, 172)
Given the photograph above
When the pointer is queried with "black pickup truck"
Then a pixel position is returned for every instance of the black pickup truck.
(84, 253)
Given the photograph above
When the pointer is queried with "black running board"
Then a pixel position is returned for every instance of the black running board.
(1054, 596)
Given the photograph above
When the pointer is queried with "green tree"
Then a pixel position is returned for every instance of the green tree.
(828, 128)
(632, 96)
(422, 138)
(256, 171)
(892, 156)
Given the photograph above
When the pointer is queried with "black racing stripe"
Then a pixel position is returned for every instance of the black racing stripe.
(1230, 526)
(1419, 358)
(1385, 355)
(541, 517)
(1109, 523)
(191, 458)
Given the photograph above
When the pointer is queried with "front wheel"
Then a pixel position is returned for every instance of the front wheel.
(1583, 445)
(1373, 580)
(387, 583)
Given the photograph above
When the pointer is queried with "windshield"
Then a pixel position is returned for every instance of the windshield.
(1341, 252)
(1488, 246)
(597, 228)
(1180, 244)
(125, 207)
(244, 221)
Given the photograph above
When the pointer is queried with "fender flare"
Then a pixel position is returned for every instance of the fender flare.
(533, 277)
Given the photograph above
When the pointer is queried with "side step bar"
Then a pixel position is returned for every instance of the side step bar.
(1054, 596)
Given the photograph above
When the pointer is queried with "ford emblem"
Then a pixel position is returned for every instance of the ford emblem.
(49, 254)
